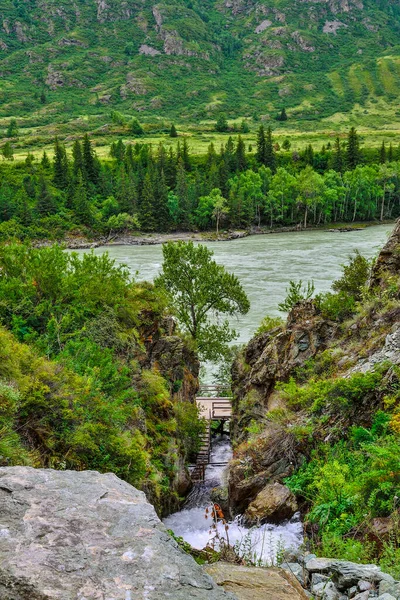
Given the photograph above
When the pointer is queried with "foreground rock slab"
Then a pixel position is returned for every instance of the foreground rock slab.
(248, 583)
(68, 535)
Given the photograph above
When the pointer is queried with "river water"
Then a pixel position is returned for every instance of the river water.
(264, 264)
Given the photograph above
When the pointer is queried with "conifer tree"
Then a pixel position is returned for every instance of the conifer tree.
(241, 161)
(91, 171)
(45, 163)
(23, 208)
(390, 155)
(80, 201)
(60, 166)
(186, 156)
(173, 132)
(77, 158)
(8, 151)
(382, 154)
(148, 220)
(182, 192)
(45, 204)
(337, 157)
(161, 202)
(270, 158)
(353, 149)
(261, 146)
(283, 115)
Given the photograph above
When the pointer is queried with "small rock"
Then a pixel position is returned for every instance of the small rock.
(353, 591)
(387, 597)
(318, 578)
(362, 596)
(388, 587)
(363, 585)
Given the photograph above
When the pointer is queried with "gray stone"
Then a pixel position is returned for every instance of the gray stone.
(346, 574)
(84, 536)
(362, 595)
(317, 578)
(353, 591)
(297, 570)
(387, 597)
(363, 586)
(390, 587)
(327, 591)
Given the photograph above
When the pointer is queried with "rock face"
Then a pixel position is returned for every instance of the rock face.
(68, 535)
(389, 258)
(274, 504)
(256, 584)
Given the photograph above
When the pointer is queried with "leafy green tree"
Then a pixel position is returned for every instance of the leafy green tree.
(8, 151)
(136, 127)
(202, 292)
(12, 129)
(244, 127)
(286, 145)
(295, 293)
(221, 208)
(222, 124)
(310, 191)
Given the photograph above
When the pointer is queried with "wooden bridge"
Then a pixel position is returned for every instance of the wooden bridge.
(212, 407)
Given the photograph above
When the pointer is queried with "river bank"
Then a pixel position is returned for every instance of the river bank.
(81, 242)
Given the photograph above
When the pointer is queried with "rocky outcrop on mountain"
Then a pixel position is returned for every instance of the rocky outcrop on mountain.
(274, 504)
(75, 535)
(388, 262)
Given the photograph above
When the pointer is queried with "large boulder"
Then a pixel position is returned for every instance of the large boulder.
(274, 504)
(68, 535)
(249, 583)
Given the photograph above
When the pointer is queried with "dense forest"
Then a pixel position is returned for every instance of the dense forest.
(152, 189)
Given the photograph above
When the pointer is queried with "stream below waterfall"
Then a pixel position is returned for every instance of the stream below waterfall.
(264, 542)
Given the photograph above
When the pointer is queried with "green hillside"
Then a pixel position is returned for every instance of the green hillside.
(186, 60)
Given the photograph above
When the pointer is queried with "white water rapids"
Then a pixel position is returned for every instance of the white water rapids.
(262, 544)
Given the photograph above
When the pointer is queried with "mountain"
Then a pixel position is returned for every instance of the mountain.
(190, 60)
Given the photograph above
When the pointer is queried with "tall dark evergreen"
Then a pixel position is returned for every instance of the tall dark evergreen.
(261, 146)
(60, 166)
(337, 157)
(270, 157)
(382, 154)
(241, 161)
(353, 156)
(173, 132)
(80, 201)
(45, 204)
(77, 156)
(91, 171)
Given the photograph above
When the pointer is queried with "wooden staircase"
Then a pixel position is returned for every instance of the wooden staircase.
(203, 456)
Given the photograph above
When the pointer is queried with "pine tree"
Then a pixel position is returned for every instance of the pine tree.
(309, 155)
(91, 170)
(80, 201)
(241, 161)
(353, 149)
(222, 124)
(12, 129)
(182, 192)
(45, 204)
(8, 151)
(270, 158)
(337, 157)
(45, 163)
(147, 218)
(390, 155)
(230, 156)
(161, 202)
(382, 154)
(283, 116)
(261, 146)
(60, 166)
(77, 156)
(173, 132)
(43, 98)
(186, 156)
(23, 208)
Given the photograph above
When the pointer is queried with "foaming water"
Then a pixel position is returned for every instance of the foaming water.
(262, 543)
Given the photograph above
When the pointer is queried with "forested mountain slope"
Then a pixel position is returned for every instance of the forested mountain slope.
(192, 59)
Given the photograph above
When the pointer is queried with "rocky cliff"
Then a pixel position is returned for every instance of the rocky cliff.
(348, 370)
